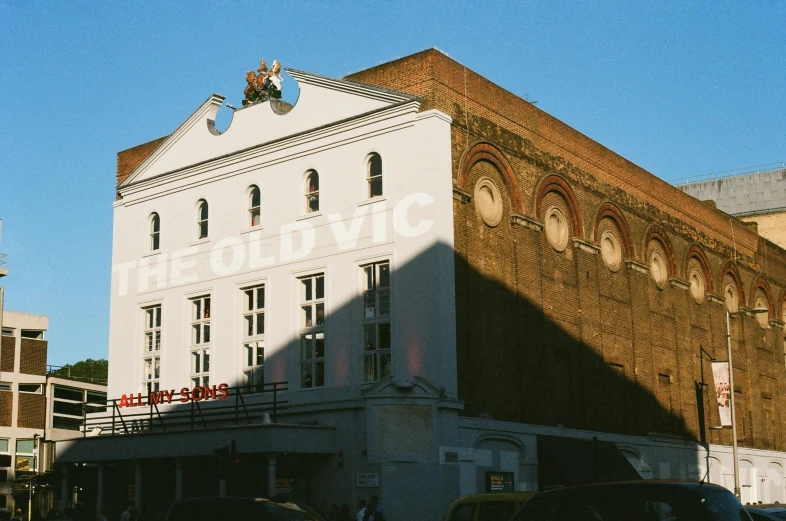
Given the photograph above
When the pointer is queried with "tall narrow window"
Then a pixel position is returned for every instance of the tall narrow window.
(254, 206)
(202, 219)
(312, 192)
(254, 338)
(25, 456)
(312, 331)
(200, 341)
(155, 232)
(376, 321)
(151, 358)
(374, 173)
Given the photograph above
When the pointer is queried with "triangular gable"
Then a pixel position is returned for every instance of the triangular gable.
(321, 101)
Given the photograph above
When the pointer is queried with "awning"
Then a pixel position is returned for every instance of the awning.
(577, 461)
(271, 438)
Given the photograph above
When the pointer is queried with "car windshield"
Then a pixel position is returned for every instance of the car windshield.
(236, 511)
(641, 503)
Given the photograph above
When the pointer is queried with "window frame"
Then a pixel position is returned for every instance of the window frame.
(154, 236)
(31, 455)
(253, 349)
(200, 314)
(370, 178)
(312, 191)
(254, 211)
(39, 388)
(374, 319)
(151, 347)
(202, 221)
(311, 331)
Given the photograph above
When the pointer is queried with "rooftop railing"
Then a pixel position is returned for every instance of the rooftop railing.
(65, 372)
(257, 405)
(758, 169)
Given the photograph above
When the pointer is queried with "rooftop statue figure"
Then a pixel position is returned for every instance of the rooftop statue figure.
(265, 85)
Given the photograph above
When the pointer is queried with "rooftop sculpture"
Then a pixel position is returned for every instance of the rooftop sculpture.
(265, 85)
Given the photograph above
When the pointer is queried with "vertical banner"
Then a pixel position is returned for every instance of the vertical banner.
(720, 373)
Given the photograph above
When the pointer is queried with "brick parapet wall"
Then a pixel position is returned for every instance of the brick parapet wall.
(32, 411)
(128, 160)
(6, 408)
(32, 357)
(7, 354)
(556, 338)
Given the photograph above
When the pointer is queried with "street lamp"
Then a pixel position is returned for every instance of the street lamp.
(731, 401)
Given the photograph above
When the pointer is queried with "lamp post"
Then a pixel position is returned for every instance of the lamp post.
(731, 400)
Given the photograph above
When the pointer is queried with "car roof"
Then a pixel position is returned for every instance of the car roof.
(631, 485)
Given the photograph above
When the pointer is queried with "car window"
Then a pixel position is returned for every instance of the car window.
(463, 512)
(496, 510)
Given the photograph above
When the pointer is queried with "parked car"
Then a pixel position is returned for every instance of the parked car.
(635, 501)
(496, 506)
(776, 511)
(237, 509)
(759, 514)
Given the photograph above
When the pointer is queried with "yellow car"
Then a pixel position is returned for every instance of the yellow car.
(495, 506)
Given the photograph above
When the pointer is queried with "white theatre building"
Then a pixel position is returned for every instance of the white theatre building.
(285, 294)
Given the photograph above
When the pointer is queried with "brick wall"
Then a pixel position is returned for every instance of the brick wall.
(32, 357)
(556, 337)
(129, 160)
(32, 411)
(6, 408)
(7, 354)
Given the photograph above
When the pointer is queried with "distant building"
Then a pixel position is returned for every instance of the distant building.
(34, 410)
(757, 197)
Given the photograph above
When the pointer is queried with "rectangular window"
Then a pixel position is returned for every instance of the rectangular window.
(254, 338)
(33, 333)
(25, 456)
(8, 331)
(31, 388)
(3, 446)
(312, 331)
(376, 321)
(151, 357)
(200, 341)
(5, 386)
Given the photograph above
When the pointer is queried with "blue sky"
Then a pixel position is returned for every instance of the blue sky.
(679, 88)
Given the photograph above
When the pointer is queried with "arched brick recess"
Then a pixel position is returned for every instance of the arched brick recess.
(731, 270)
(490, 153)
(659, 234)
(761, 283)
(694, 252)
(555, 183)
(611, 211)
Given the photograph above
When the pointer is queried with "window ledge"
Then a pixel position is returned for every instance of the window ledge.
(152, 253)
(200, 241)
(377, 199)
(309, 215)
(256, 228)
(312, 388)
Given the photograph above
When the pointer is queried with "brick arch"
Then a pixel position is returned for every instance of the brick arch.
(490, 153)
(554, 183)
(610, 210)
(783, 304)
(761, 283)
(656, 233)
(731, 270)
(694, 252)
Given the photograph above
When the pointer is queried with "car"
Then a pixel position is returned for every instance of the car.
(776, 511)
(759, 514)
(646, 500)
(237, 509)
(492, 506)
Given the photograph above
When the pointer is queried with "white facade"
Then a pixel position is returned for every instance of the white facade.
(332, 129)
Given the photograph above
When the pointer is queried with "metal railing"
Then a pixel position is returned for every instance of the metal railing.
(242, 405)
(64, 371)
(757, 169)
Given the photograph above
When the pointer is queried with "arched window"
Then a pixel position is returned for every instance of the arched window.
(202, 219)
(155, 232)
(312, 192)
(254, 206)
(374, 174)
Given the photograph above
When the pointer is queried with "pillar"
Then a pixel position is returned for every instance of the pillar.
(222, 487)
(64, 495)
(178, 478)
(138, 485)
(271, 475)
(99, 490)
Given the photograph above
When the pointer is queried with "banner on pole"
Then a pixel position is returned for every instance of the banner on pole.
(720, 373)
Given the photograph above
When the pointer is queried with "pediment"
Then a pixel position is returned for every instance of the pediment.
(321, 101)
(414, 386)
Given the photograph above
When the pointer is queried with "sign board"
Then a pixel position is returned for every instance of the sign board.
(720, 373)
(499, 482)
(284, 485)
(368, 480)
(196, 394)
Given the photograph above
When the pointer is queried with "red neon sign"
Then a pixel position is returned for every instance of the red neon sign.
(195, 394)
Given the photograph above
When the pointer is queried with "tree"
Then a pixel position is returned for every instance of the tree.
(89, 370)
